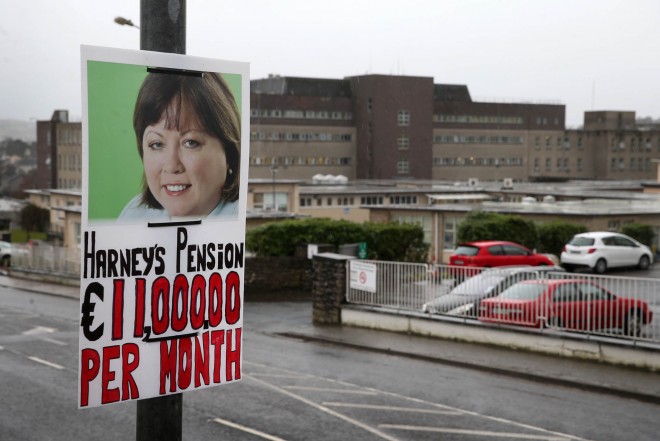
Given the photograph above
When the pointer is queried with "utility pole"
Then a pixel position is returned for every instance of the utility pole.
(162, 29)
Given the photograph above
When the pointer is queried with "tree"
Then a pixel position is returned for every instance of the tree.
(35, 218)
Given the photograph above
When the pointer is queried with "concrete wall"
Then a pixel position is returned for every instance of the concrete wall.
(545, 341)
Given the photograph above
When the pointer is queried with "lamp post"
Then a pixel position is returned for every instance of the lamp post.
(163, 30)
(273, 170)
(125, 22)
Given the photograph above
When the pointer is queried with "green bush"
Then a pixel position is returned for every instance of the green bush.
(554, 235)
(479, 225)
(639, 232)
(399, 242)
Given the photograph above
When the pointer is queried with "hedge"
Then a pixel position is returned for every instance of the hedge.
(390, 241)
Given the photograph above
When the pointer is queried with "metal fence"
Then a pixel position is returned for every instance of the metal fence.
(46, 258)
(530, 297)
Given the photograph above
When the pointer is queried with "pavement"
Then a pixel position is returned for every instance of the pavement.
(627, 382)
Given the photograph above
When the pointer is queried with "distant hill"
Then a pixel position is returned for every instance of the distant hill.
(16, 129)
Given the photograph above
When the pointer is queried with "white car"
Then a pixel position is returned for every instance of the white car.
(5, 253)
(602, 250)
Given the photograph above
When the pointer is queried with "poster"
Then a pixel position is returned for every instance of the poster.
(165, 166)
(363, 276)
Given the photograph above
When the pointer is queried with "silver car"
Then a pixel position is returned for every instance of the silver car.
(464, 299)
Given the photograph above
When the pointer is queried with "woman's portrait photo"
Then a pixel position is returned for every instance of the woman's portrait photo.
(187, 130)
(179, 134)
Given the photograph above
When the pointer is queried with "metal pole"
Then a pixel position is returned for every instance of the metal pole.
(163, 26)
(162, 29)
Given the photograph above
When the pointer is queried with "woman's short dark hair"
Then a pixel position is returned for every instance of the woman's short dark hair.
(216, 111)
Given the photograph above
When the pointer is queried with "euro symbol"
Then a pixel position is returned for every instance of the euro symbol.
(87, 310)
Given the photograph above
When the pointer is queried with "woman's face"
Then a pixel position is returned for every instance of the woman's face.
(185, 168)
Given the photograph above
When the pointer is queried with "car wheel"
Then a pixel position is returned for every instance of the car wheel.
(600, 267)
(632, 326)
(644, 262)
(6, 261)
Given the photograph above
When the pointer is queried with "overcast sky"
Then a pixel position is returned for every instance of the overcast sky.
(586, 54)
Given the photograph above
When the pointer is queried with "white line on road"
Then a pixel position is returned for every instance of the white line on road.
(247, 429)
(325, 389)
(40, 330)
(55, 342)
(392, 408)
(47, 363)
(484, 433)
(327, 410)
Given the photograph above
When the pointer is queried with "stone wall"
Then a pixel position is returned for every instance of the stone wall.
(279, 278)
(329, 287)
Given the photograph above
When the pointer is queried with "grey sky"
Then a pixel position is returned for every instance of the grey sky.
(586, 54)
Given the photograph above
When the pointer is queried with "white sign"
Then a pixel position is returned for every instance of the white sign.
(363, 276)
(165, 166)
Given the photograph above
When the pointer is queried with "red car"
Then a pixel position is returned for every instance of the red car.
(568, 304)
(490, 253)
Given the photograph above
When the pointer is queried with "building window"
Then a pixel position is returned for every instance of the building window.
(579, 164)
(403, 166)
(305, 202)
(403, 118)
(403, 142)
(548, 164)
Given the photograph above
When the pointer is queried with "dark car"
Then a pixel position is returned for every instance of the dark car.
(466, 297)
(568, 304)
(491, 253)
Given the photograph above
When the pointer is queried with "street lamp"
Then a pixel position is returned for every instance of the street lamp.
(125, 22)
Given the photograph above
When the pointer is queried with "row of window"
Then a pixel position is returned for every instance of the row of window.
(636, 144)
(307, 136)
(562, 164)
(68, 136)
(635, 164)
(69, 183)
(299, 160)
(301, 114)
(486, 139)
(515, 161)
(561, 142)
(478, 119)
(349, 201)
(69, 162)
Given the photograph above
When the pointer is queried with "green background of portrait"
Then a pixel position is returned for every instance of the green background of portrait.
(115, 169)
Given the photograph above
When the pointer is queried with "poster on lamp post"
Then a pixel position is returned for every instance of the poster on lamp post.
(165, 166)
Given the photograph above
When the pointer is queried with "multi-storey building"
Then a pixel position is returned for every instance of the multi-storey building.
(394, 127)
(59, 152)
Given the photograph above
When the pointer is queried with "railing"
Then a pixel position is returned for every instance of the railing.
(534, 297)
(46, 258)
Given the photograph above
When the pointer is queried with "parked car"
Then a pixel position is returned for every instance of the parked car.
(569, 304)
(491, 253)
(602, 250)
(466, 297)
(5, 253)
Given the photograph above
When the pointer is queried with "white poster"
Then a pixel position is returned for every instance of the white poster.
(363, 276)
(165, 166)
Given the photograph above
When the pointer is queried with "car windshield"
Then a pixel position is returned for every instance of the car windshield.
(582, 241)
(524, 291)
(466, 250)
(477, 284)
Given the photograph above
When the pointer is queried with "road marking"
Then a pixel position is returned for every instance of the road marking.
(392, 408)
(507, 435)
(55, 342)
(247, 429)
(47, 363)
(278, 375)
(326, 389)
(325, 409)
(40, 330)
